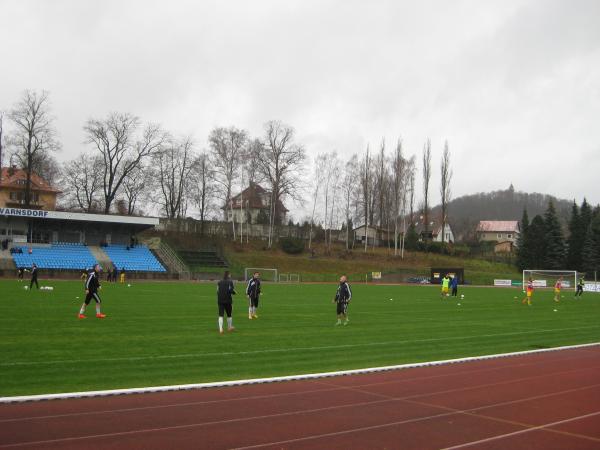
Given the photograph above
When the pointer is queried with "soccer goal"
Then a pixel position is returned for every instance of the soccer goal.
(289, 278)
(547, 278)
(265, 274)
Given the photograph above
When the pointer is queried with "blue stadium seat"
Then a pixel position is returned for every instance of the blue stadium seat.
(57, 256)
(138, 258)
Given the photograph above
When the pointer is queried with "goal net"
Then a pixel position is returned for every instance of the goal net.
(289, 278)
(265, 273)
(547, 278)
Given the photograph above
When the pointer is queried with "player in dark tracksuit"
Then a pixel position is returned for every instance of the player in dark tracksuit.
(454, 286)
(253, 293)
(580, 286)
(225, 291)
(92, 286)
(343, 296)
(34, 277)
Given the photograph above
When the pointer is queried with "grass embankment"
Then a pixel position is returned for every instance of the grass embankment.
(328, 265)
(166, 333)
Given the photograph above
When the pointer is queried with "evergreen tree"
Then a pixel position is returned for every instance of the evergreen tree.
(523, 243)
(536, 243)
(412, 238)
(555, 242)
(589, 256)
(575, 241)
(585, 215)
(591, 247)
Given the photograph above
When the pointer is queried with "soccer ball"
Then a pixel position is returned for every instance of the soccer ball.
(25, 287)
(462, 295)
(128, 285)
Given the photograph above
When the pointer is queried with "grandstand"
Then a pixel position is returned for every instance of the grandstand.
(65, 241)
(138, 258)
(60, 255)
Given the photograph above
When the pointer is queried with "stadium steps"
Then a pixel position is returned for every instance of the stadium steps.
(100, 256)
(205, 258)
(168, 257)
(6, 261)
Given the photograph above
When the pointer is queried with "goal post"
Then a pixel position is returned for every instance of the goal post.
(547, 278)
(289, 278)
(266, 274)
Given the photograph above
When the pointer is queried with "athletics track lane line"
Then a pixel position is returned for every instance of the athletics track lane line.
(188, 426)
(334, 388)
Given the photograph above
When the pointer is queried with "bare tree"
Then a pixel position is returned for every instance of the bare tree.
(411, 183)
(173, 165)
(398, 189)
(281, 165)
(367, 192)
(319, 175)
(380, 184)
(348, 188)
(251, 156)
(203, 187)
(138, 187)
(34, 133)
(330, 172)
(227, 150)
(445, 192)
(82, 181)
(426, 181)
(122, 148)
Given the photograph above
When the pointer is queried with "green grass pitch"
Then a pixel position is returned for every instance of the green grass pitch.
(166, 333)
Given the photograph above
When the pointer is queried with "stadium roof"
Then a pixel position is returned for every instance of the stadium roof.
(77, 216)
(498, 225)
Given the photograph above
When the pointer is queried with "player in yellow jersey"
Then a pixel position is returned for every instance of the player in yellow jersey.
(529, 292)
(557, 288)
(445, 285)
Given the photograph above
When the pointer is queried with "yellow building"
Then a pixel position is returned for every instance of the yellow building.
(12, 190)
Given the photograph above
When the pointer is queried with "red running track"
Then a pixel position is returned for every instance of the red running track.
(539, 401)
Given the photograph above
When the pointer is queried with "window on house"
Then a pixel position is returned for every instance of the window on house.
(509, 236)
(499, 235)
(13, 195)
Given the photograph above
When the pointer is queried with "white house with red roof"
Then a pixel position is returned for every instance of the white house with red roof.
(498, 230)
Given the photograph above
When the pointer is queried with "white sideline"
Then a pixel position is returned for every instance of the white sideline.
(308, 376)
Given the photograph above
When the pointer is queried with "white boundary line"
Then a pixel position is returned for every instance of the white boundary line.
(309, 376)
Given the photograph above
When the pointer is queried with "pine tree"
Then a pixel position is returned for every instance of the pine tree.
(523, 243)
(412, 238)
(575, 241)
(589, 257)
(585, 214)
(591, 246)
(555, 242)
(536, 243)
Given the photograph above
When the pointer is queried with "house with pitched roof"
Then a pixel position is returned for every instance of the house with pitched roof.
(503, 232)
(253, 205)
(13, 182)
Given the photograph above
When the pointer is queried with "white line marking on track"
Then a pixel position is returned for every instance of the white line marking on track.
(290, 413)
(309, 376)
(527, 430)
(312, 391)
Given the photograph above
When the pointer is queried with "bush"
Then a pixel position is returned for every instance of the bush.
(293, 246)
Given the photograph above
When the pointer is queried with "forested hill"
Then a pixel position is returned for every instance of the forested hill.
(465, 212)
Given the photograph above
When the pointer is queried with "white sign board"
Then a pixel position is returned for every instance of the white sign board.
(591, 286)
(376, 275)
(566, 284)
(539, 283)
(502, 282)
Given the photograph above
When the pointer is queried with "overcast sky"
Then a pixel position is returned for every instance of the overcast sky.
(514, 86)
